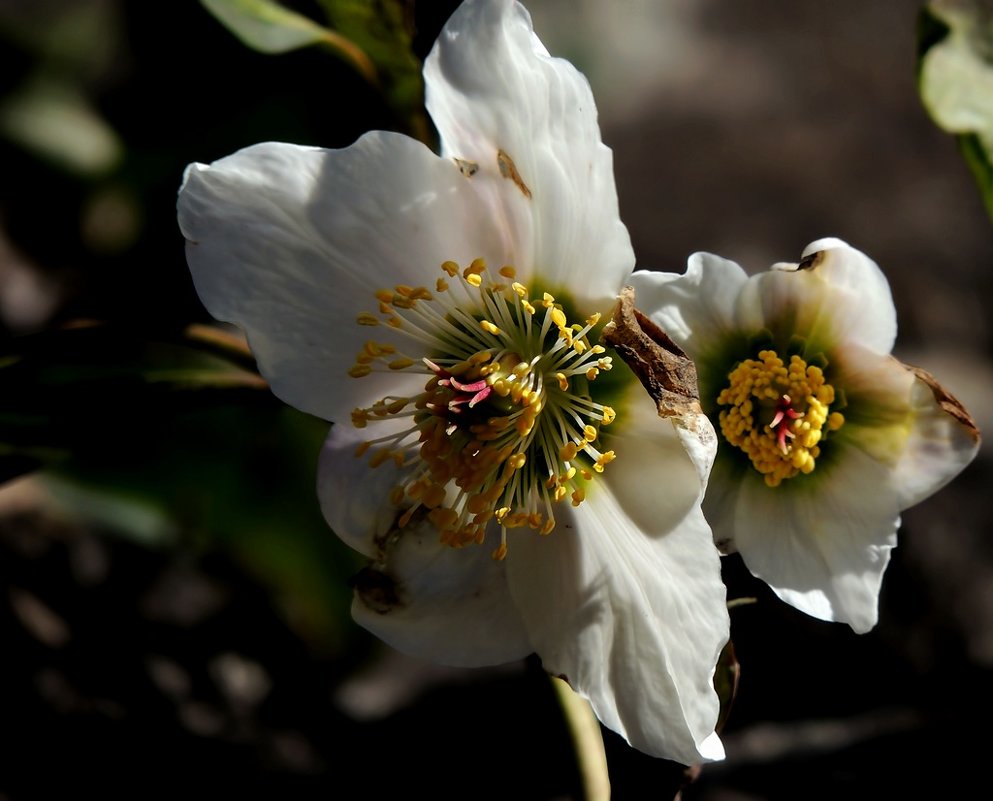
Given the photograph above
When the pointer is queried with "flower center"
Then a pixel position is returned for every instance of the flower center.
(505, 424)
(778, 415)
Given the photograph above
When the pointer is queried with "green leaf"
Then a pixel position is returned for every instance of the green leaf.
(956, 79)
(93, 387)
(269, 27)
(384, 30)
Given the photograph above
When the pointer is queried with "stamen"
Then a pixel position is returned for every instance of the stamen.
(503, 430)
(778, 415)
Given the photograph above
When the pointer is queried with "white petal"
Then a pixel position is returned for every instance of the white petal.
(423, 598)
(904, 419)
(291, 242)
(938, 449)
(822, 545)
(353, 495)
(625, 597)
(836, 295)
(491, 89)
(696, 309)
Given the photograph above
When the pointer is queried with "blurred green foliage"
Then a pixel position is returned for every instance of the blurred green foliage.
(956, 79)
(149, 422)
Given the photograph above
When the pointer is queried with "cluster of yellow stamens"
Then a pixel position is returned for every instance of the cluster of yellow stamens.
(505, 426)
(778, 414)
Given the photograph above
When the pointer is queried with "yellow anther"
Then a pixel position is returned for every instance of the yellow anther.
(508, 272)
(589, 433)
(568, 452)
(605, 364)
(487, 326)
(434, 496)
(500, 553)
(379, 457)
(547, 300)
(517, 461)
(359, 370)
(593, 319)
(527, 307)
(563, 382)
(592, 373)
(778, 414)
(578, 496)
(474, 280)
(603, 460)
(560, 493)
(520, 289)
(384, 295)
(451, 268)
(401, 364)
(609, 415)
(597, 349)
(365, 318)
(362, 448)
(396, 496)
(441, 285)
(547, 527)
(443, 518)
(558, 317)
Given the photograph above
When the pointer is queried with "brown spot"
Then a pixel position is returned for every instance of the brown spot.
(811, 261)
(375, 584)
(376, 589)
(509, 170)
(664, 370)
(949, 404)
(467, 168)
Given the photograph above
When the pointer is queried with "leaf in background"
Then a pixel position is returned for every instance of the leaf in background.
(384, 30)
(956, 79)
(269, 27)
(87, 388)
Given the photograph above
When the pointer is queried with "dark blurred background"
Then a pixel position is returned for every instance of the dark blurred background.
(174, 613)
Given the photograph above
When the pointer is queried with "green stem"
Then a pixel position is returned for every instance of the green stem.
(586, 737)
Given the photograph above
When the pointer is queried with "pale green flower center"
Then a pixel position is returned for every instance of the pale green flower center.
(778, 414)
(506, 427)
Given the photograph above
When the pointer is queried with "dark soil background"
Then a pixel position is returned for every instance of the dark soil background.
(188, 636)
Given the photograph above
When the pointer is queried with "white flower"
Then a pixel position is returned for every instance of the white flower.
(444, 313)
(825, 437)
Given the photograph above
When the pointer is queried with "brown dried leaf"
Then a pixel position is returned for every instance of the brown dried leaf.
(663, 368)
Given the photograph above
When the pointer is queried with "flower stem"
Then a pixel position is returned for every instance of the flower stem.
(586, 737)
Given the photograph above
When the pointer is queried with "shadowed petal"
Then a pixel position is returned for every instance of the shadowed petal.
(423, 598)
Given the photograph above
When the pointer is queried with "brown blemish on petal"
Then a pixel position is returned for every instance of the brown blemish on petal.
(375, 584)
(509, 170)
(812, 261)
(948, 403)
(662, 367)
(467, 168)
